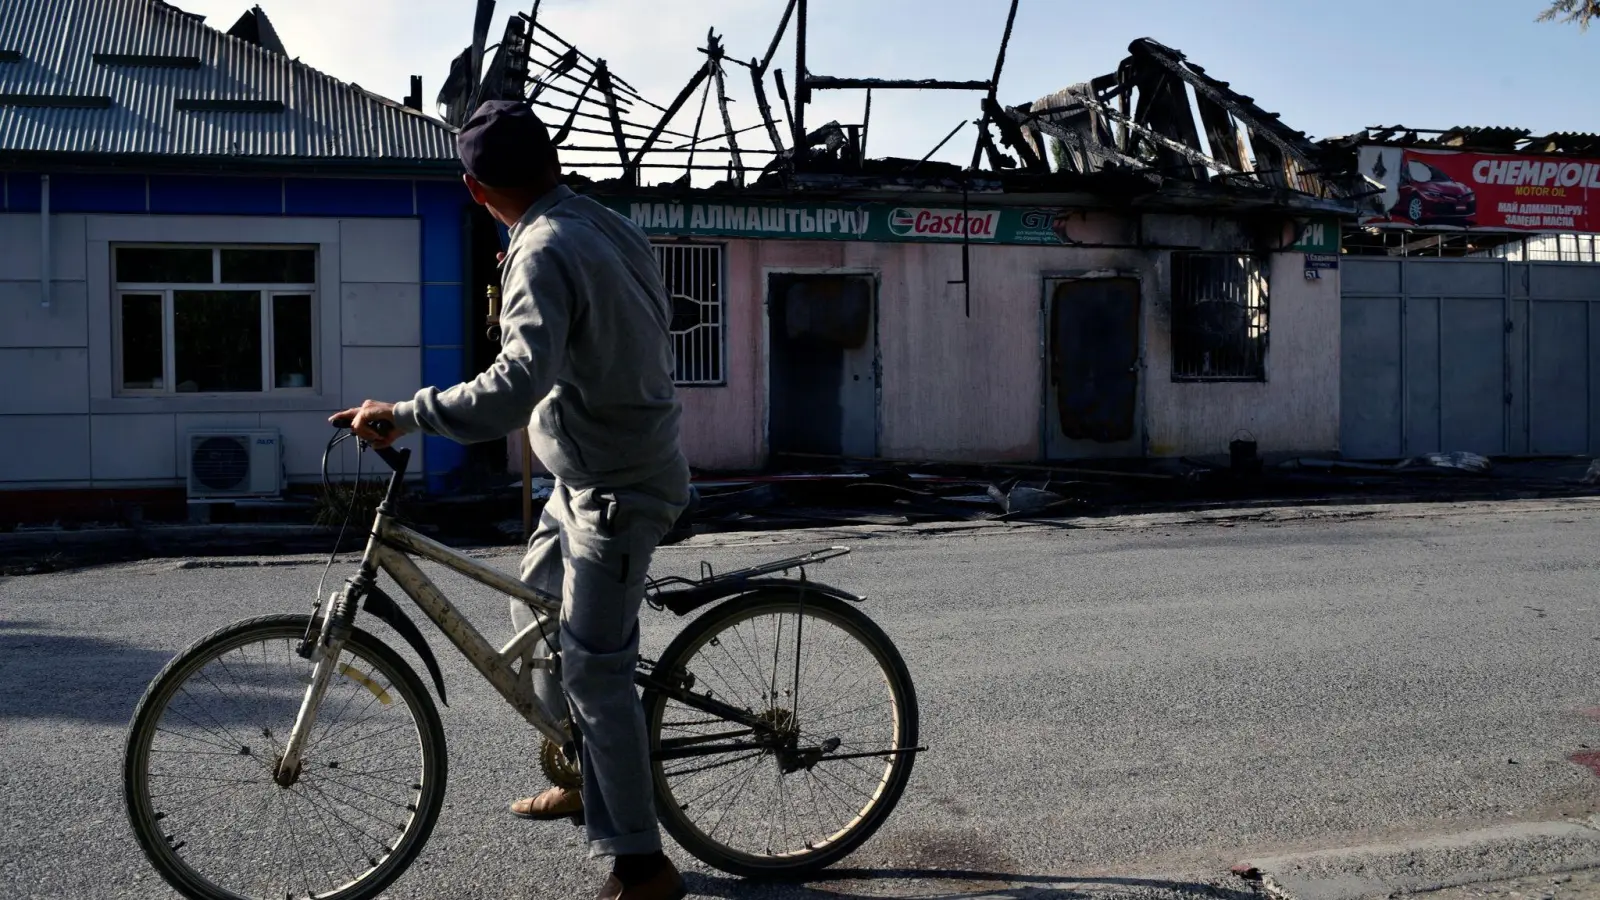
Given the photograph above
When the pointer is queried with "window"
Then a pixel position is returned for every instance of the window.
(1219, 317)
(693, 274)
(215, 320)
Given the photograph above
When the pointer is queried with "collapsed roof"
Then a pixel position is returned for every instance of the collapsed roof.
(1157, 124)
(1491, 139)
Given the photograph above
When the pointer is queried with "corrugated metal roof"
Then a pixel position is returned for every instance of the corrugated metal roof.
(323, 118)
(1491, 139)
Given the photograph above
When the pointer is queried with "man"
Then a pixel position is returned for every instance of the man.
(586, 367)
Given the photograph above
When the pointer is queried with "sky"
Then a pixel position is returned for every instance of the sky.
(1330, 67)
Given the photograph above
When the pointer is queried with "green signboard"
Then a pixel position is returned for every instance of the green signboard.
(881, 222)
(1321, 236)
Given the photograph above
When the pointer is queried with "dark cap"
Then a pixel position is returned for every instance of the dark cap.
(504, 145)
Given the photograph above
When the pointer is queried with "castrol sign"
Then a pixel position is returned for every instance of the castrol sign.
(952, 224)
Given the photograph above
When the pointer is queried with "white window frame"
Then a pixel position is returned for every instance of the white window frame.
(713, 255)
(267, 293)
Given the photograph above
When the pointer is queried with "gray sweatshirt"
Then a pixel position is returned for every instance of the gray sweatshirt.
(585, 360)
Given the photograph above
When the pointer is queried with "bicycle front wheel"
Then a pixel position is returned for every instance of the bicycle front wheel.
(804, 792)
(205, 743)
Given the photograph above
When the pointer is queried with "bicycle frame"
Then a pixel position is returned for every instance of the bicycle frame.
(390, 546)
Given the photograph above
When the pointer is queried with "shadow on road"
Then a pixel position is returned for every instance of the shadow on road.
(71, 676)
(957, 884)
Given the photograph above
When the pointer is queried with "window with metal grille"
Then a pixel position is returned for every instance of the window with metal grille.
(693, 274)
(1219, 317)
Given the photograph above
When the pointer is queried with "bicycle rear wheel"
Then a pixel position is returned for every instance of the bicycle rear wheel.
(204, 744)
(807, 792)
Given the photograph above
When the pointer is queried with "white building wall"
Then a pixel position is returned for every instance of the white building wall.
(61, 423)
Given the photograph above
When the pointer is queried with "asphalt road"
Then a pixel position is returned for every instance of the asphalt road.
(1112, 711)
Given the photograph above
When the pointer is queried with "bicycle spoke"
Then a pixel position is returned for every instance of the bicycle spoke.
(677, 773)
(819, 684)
(350, 787)
(352, 804)
(189, 737)
(371, 699)
(721, 784)
(390, 729)
(329, 800)
(736, 794)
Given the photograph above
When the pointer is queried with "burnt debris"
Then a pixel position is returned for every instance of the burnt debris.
(1158, 121)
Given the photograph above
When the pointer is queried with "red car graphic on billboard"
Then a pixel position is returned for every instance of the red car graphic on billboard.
(1429, 196)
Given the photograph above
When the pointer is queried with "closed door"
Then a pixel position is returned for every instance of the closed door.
(1559, 376)
(822, 378)
(1469, 354)
(1092, 365)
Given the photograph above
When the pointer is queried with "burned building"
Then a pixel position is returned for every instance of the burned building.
(1141, 264)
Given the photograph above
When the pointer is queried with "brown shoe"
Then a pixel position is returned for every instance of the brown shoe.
(665, 884)
(555, 803)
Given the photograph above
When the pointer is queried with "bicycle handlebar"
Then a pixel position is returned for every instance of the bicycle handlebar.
(397, 460)
(381, 427)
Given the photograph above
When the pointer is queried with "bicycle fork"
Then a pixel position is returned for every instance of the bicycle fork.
(325, 649)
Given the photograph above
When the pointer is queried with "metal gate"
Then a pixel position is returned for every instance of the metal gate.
(1482, 355)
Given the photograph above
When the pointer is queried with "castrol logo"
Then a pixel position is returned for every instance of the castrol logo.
(980, 225)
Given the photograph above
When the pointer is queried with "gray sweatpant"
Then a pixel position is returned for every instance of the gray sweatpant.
(593, 548)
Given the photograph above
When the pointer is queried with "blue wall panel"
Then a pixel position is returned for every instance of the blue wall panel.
(443, 458)
(86, 193)
(22, 192)
(198, 195)
(443, 319)
(441, 206)
(347, 197)
(438, 194)
(441, 366)
(441, 246)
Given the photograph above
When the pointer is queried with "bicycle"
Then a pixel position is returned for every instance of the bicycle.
(307, 707)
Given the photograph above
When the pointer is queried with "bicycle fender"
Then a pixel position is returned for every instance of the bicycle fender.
(379, 604)
(684, 602)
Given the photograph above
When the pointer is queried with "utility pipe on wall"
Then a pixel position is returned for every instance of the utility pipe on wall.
(44, 240)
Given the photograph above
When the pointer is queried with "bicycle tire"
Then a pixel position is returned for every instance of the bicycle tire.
(892, 666)
(363, 645)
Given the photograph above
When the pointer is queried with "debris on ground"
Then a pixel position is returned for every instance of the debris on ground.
(854, 491)
(836, 491)
(1466, 462)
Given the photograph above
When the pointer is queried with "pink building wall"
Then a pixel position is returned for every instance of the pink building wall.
(972, 389)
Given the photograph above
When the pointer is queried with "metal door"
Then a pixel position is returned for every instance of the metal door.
(822, 378)
(1468, 354)
(1556, 331)
(1091, 353)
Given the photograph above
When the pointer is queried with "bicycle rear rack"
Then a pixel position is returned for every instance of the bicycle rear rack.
(709, 577)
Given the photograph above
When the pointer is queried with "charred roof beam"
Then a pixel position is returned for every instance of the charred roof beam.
(1150, 134)
(1094, 155)
(1011, 135)
(1265, 128)
(829, 83)
(714, 57)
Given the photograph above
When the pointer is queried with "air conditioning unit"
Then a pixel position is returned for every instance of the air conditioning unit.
(235, 464)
